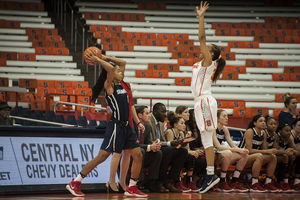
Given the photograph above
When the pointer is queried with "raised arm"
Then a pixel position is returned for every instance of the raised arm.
(207, 60)
(121, 63)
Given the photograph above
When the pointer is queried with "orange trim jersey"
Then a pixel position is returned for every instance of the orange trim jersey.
(202, 79)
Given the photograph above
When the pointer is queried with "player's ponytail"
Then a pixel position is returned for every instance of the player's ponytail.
(220, 61)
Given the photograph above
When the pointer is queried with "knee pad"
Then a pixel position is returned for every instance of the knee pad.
(206, 138)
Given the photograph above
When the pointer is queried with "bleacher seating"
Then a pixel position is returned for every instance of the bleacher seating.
(256, 84)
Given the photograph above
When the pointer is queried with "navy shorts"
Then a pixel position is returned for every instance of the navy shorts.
(119, 136)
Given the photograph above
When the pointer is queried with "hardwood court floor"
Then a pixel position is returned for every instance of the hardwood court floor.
(158, 196)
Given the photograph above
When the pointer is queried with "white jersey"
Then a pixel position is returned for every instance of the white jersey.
(202, 79)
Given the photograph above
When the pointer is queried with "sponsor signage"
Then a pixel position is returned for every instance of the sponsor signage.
(49, 160)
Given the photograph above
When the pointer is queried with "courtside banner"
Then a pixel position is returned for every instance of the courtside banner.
(41, 160)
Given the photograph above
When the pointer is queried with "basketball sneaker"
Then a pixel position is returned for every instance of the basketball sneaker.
(271, 187)
(224, 187)
(209, 182)
(133, 191)
(296, 187)
(257, 188)
(238, 188)
(191, 186)
(180, 185)
(283, 187)
(74, 188)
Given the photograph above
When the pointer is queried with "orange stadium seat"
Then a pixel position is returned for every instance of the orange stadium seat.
(95, 28)
(288, 69)
(296, 32)
(139, 41)
(285, 32)
(264, 25)
(222, 103)
(122, 16)
(262, 38)
(186, 42)
(27, 83)
(259, 111)
(144, 5)
(52, 38)
(168, 42)
(223, 31)
(293, 26)
(6, 5)
(234, 25)
(101, 34)
(80, 84)
(11, 96)
(154, 42)
(253, 62)
(271, 31)
(216, 25)
(186, 61)
(236, 104)
(288, 20)
(253, 32)
(191, 48)
(83, 91)
(64, 91)
(158, 6)
(143, 73)
(43, 50)
(277, 39)
(34, 31)
(2, 23)
(42, 43)
(251, 44)
(249, 25)
(149, 35)
(126, 47)
(62, 84)
(194, 54)
(118, 34)
(21, 97)
(237, 32)
(36, 6)
(236, 44)
(133, 35)
(183, 81)
(49, 31)
(272, 19)
(21, 6)
(92, 16)
(172, 67)
(179, 54)
(279, 97)
(124, 41)
(279, 26)
(9, 55)
(108, 40)
(295, 77)
(225, 49)
(45, 83)
(12, 24)
(297, 96)
(57, 44)
(276, 112)
(160, 74)
(164, 36)
(27, 57)
(67, 99)
(228, 56)
(38, 105)
(45, 90)
(230, 76)
(83, 100)
(172, 48)
(60, 51)
(32, 38)
(137, 17)
(239, 69)
(269, 63)
(280, 77)
(181, 36)
(157, 66)
(114, 28)
(3, 62)
(29, 97)
(3, 82)
(111, 47)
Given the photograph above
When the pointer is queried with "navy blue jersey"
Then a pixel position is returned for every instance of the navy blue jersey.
(118, 103)
(296, 139)
(270, 140)
(282, 145)
(176, 138)
(256, 141)
(220, 135)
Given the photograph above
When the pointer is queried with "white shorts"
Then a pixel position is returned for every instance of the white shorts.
(206, 113)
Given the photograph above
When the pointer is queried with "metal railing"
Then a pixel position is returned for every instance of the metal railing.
(71, 19)
(76, 104)
(41, 121)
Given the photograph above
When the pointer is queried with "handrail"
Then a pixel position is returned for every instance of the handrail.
(76, 104)
(82, 38)
(72, 19)
(236, 129)
(42, 121)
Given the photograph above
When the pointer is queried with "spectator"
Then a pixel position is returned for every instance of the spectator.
(176, 133)
(183, 111)
(171, 156)
(295, 137)
(255, 140)
(4, 114)
(286, 116)
(228, 155)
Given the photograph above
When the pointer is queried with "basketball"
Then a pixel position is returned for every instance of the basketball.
(92, 51)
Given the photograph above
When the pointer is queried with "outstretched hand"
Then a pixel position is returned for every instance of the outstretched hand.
(92, 58)
(203, 8)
